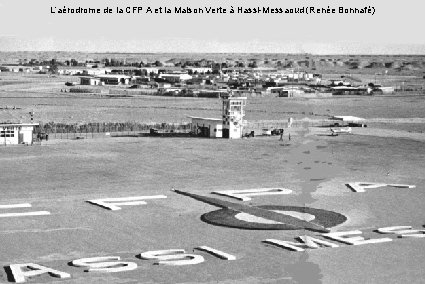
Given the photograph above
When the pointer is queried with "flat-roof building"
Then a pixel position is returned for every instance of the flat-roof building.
(112, 79)
(207, 127)
(175, 78)
(90, 81)
(16, 133)
(231, 124)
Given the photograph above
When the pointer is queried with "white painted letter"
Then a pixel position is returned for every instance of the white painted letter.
(217, 253)
(245, 193)
(307, 242)
(362, 186)
(114, 203)
(19, 276)
(21, 205)
(316, 243)
(98, 264)
(402, 231)
(172, 257)
(339, 236)
(287, 245)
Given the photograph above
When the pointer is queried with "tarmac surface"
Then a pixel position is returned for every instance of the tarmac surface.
(61, 176)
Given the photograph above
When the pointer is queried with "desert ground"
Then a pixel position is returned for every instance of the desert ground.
(61, 175)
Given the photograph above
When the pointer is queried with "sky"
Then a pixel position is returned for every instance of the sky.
(397, 27)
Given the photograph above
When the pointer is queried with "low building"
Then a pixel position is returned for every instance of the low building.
(339, 83)
(163, 85)
(207, 127)
(350, 120)
(348, 90)
(291, 91)
(16, 133)
(111, 79)
(90, 81)
(147, 70)
(274, 90)
(72, 71)
(378, 89)
(200, 70)
(95, 71)
(175, 78)
(139, 80)
(387, 90)
(347, 118)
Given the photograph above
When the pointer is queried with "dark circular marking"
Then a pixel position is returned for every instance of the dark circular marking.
(226, 218)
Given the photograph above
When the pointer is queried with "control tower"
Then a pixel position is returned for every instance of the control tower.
(232, 116)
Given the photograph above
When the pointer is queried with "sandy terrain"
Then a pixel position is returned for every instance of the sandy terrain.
(60, 176)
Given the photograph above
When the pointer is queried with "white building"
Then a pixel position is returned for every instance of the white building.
(16, 133)
(231, 124)
(90, 81)
(147, 70)
(200, 70)
(112, 79)
(175, 78)
(207, 127)
(95, 72)
(232, 116)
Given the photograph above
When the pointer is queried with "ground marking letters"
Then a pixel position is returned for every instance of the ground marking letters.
(308, 242)
(402, 232)
(20, 214)
(98, 264)
(245, 194)
(19, 276)
(110, 264)
(176, 257)
(115, 203)
(173, 257)
(362, 186)
(217, 253)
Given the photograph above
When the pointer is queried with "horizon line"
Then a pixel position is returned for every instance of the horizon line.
(199, 52)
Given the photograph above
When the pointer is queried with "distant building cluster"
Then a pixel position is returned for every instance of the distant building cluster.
(207, 78)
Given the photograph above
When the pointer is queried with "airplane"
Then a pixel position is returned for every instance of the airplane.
(337, 131)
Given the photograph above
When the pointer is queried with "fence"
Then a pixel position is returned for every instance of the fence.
(90, 130)
(295, 124)
(93, 130)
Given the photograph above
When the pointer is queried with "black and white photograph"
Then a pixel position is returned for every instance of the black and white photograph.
(212, 142)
